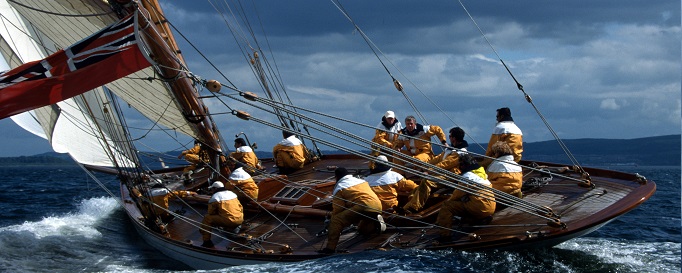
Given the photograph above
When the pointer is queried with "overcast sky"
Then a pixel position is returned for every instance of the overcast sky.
(595, 69)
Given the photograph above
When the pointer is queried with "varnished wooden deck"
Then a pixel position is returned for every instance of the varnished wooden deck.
(291, 235)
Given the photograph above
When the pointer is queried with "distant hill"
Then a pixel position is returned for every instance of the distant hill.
(648, 151)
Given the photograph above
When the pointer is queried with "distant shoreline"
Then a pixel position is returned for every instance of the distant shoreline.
(649, 151)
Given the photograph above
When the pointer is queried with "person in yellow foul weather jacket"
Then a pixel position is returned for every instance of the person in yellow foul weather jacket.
(353, 202)
(507, 131)
(387, 184)
(448, 160)
(244, 154)
(386, 134)
(503, 173)
(477, 207)
(197, 156)
(289, 154)
(241, 183)
(419, 148)
(224, 210)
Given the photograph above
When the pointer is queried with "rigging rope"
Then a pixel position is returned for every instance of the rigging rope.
(528, 98)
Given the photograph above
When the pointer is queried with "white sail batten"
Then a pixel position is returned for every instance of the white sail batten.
(151, 99)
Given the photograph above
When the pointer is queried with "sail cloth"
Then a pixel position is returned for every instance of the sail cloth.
(105, 56)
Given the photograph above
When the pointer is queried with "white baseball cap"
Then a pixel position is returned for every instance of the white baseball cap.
(389, 114)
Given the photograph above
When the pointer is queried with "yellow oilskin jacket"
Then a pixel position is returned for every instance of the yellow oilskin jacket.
(245, 154)
(389, 137)
(239, 178)
(387, 184)
(195, 154)
(505, 176)
(160, 196)
(415, 147)
(226, 205)
(475, 204)
(448, 160)
(289, 153)
(351, 192)
(507, 131)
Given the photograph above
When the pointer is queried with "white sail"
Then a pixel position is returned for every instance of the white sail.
(70, 124)
(152, 99)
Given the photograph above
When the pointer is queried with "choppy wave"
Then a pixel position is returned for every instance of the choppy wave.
(80, 223)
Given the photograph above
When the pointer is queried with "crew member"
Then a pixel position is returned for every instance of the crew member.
(447, 160)
(387, 183)
(503, 173)
(507, 131)
(224, 210)
(244, 154)
(386, 134)
(289, 154)
(419, 148)
(477, 207)
(353, 202)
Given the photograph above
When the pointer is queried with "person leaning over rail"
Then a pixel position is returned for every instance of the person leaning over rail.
(197, 156)
(476, 207)
(160, 196)
(419, 148)
(224, 210)
(386, 134)
(447, 160)
(289, 154)
(353, 202)
(244, 154)
(507, 131)
(503, 173)
(387, 183)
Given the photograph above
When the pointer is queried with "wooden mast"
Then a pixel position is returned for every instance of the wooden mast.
(170, 66)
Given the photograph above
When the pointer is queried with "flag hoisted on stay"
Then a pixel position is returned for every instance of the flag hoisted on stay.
(105, 56)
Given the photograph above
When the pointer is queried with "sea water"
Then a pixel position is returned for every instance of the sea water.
(58, 219)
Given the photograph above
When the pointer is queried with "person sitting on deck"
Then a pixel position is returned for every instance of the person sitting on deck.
(505, 130)
(477, 207)
(447, 160)
(353, 202)
(197, 156)
(386, 134)
(419, 148)
(241, 183)
(224, 210)
(387, 183)
(160, 196)
(289, 154)
(503, 173)
(244, 154)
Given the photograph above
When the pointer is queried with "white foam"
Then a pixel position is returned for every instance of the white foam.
(656, 256)
(79, 223)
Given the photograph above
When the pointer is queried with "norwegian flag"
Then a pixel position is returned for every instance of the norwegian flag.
(105, 56)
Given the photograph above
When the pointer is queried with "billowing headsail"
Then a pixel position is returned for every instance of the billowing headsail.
(44, 31)
(105, 56)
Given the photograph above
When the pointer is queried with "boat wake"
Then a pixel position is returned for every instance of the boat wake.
(80, 223)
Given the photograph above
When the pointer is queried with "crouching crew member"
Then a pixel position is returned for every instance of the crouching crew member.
(353, 202)
(474, 208)
(224, 210)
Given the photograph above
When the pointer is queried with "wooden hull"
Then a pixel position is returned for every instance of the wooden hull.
(300, 208)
